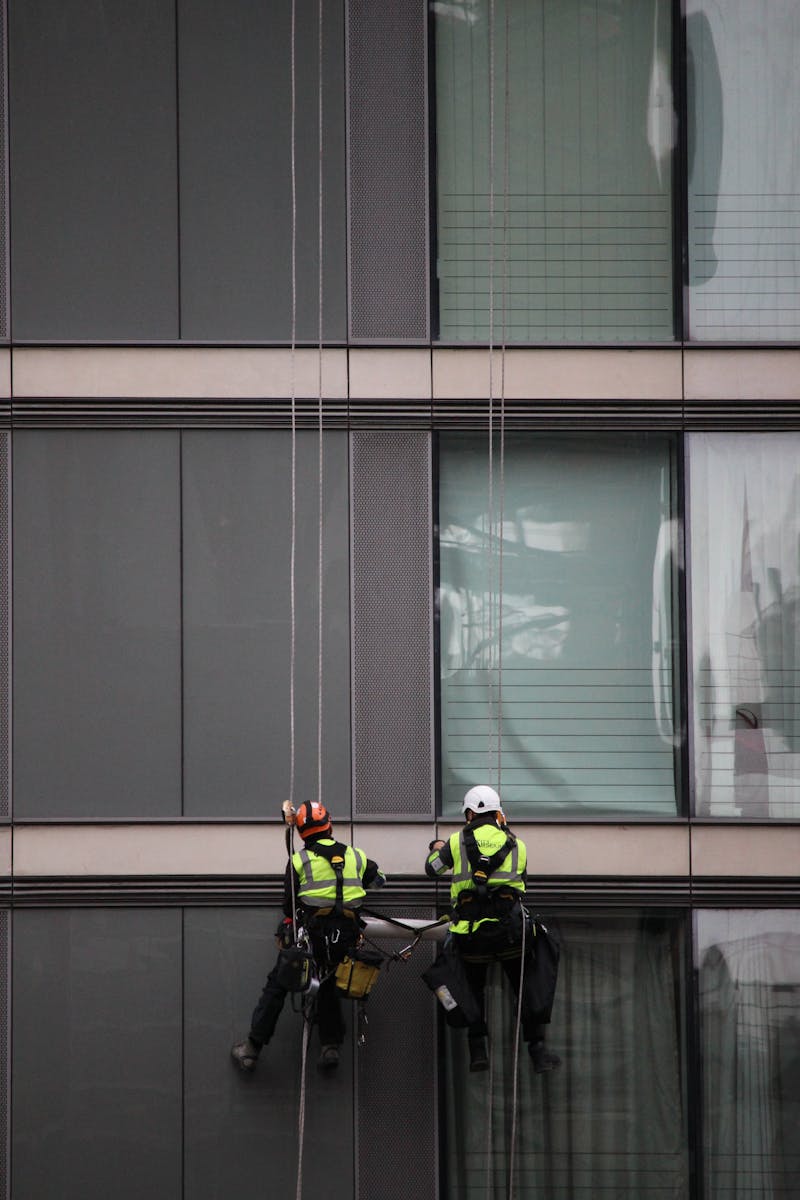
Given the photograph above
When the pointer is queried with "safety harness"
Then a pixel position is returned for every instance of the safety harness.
(334, 856)
(481, 901)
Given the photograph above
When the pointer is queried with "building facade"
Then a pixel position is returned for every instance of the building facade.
(395, 397)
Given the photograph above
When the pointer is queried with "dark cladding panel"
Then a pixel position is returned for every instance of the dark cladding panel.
(237, 493)
(3, 178)
(236, 182)
(97, 1054)
(93, 169)
(241, 1131)
(5, 625)
(392, 600)
(397, 1102)
(97, 652)
(387, 60)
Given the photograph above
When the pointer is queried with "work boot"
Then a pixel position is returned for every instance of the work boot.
(542, 1058)
(329, 1058)
(478, 1054)
(245, 1054)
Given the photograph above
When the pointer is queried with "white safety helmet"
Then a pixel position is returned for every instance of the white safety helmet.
(481, 799)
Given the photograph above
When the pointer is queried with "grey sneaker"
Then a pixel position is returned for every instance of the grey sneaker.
(329, 1058)
(245, 1054)
(542, 1058)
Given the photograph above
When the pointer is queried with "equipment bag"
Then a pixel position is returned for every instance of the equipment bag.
(448, 981)
(295, 969)
(541, 973)
(356, 975)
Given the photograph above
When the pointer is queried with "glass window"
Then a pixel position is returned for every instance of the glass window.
(611, 1120)
(745, 596)
(744, 214)
(584, 92)
(567, 684)
(749, 983)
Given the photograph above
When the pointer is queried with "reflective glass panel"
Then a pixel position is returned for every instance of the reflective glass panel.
(745, 591)
(610, 1121)
(566, 686)
(744, 197)
(749, 982)
(565, 171)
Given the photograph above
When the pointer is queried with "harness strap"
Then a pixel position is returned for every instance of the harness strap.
(334, 855)
(483, 866)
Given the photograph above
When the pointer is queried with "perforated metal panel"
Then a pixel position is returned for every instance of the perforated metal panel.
(387, 68)
(396, 1121)
(392, 622)
(5, 625)
(5, 1043)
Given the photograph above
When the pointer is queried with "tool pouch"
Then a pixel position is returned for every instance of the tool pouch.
(295, 969)
(356, 975)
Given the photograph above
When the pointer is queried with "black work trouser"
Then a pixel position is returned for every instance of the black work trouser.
(271, 1002)
(476, 972)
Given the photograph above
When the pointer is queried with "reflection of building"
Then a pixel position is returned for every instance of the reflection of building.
(646, 486)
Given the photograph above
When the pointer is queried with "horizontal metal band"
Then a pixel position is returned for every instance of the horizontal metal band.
(412, 414)
(550, 892)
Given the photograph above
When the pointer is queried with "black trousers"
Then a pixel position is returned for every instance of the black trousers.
(271, 1002)
(476, 973)
(332, 939)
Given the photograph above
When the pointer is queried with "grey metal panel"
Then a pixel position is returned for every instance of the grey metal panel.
(397, 1070)
(5, 1054)
(235, 153)
(4, 314)
(392, 598)
(93, 169)
(96, 624)
(97, 1055)
(388, 160)
(5, 624)
(241, 1132)
(237, 631)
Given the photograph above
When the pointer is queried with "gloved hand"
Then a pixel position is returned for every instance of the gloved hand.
(284, 934)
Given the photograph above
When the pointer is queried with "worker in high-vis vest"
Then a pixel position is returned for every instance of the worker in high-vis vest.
(324, 886)
(488, 869)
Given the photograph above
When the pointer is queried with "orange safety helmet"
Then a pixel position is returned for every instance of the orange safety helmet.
(312, 817)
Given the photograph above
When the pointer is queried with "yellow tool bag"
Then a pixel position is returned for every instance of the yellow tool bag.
(355, 976)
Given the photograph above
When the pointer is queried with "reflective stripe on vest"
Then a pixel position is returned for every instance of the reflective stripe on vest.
(318, 879)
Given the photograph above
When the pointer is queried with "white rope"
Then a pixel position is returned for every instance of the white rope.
(301, 1112)
(515, 1073)
(489, 1089)
(490, 505)
(320, 507)
(293, 532)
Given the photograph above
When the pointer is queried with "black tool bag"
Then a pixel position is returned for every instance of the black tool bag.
(295, 969)
(541, 972)
(448, 981)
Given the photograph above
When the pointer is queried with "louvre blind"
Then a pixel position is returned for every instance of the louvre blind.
(578, 684)
(744, 199)
(585, 199)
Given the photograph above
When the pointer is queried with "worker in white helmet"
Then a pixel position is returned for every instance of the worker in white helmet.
(488, 864)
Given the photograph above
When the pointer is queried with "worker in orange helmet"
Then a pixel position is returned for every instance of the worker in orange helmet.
(324, 886)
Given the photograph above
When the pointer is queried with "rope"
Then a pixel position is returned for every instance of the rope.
(293, 388)
(320, 507)
(515, 1073)
(301, 1112)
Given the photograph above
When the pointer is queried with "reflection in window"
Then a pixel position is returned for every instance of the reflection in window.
(750, 1027)
(745, 524)
(610, 1121)
(744, 230)
(586, 169)
(570, 681)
